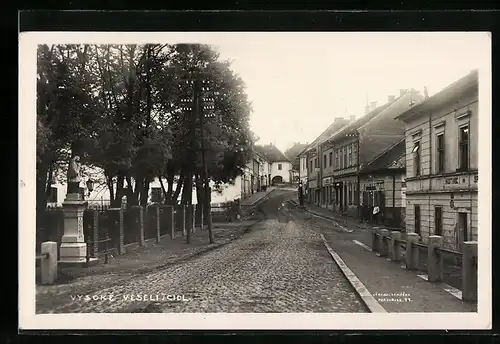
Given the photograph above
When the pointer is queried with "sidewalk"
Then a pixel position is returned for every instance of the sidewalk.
(256, 197)
(80, 280)
(352, 222)
(395, 288)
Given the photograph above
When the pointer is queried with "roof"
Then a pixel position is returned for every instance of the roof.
(387, 158)
(294, 151)
(338, 124)
(454, 90)
(271, 153)
(360, 121)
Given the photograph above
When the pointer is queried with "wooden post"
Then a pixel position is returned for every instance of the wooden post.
(158, 235)
(434, 268)
(469, 271)
(411, 256)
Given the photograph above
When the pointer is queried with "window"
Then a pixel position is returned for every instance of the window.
(52, 195)
(438, 220)
(440, 153)
(350, 155)
(280, 167)
(345, 156)
(311, 164)
(341, 159)
(82, 192)
(350, 193)
(337, 165)
(464, 148)
(324, 160)
(356, 194)
(316, 163)
(462, 227)
(330, 159)
(416, 158)
(417, 219)
(354, 153)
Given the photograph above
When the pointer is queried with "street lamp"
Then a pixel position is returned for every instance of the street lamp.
(90, 186)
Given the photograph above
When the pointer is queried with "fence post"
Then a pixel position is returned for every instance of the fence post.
(188, 217)
(49, 264)
(411, 256)
(157, 224)
(183, 222)
(383, 242)
(121, 245)
(95, 213)
(142, 242)
(106, 245)
(434, 268)
(395, 246)
(375, 240)
(469, 271)
(202, 216)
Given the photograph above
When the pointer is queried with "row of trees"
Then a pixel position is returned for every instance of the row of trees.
(122, 108)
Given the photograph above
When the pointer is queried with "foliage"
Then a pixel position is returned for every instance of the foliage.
(121, 108)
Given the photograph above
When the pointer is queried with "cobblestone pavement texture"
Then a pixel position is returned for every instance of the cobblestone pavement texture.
(121, 268)
(363, 231)
(391, 284)
(278, 266)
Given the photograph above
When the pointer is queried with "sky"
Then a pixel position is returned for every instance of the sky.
(299, 82)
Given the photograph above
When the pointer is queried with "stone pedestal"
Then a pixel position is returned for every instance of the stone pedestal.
(73, 246)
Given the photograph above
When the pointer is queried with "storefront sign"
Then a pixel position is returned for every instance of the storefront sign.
(328, 181)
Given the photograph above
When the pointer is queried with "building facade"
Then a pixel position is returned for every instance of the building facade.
(313, 156)
(442, 164)
(382, 185)
(356, 146)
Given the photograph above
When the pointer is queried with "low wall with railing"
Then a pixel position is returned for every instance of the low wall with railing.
(114, 231)
(441, 264)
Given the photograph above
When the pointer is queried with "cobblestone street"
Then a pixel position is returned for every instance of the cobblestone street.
(278, 266)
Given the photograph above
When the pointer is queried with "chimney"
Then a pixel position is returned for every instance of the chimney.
(373, 105)
(352, 118)
(338, 119)
(402, 92)
(390, 99)
(367, 109)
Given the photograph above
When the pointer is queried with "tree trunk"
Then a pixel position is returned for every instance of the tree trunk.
(109, 183)
(119, 190)
(164, 192)
(178, 189)
(185, 191)
(199, 199)
(41, 193)
(170, 186)
(145, 193)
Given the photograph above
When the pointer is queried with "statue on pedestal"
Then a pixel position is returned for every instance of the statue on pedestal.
(73, 175)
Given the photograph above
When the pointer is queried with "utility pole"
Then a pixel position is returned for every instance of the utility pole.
(207, 204)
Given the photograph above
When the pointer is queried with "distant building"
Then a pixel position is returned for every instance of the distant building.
(293, 155)
(280, 165)
(312, 155)
(442, 137)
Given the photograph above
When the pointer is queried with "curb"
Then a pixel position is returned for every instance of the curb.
(329, 219)
(370, 302)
